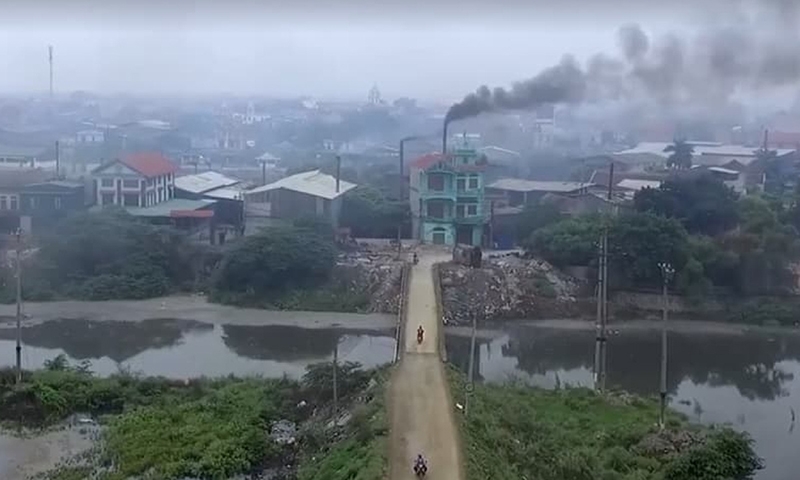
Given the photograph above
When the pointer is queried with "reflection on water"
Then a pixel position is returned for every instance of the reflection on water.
(183, 349)
(750, 381)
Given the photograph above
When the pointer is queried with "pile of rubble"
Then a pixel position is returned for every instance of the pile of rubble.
(374, 272)
(508, 287)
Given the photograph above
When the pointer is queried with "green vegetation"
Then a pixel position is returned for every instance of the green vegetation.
(716, 242)
(208, 429)
(515, 431)
(110, 255)
(371, 213)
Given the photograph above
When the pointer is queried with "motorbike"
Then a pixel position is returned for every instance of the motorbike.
(420, 333)
(420, 468)
(416, 259)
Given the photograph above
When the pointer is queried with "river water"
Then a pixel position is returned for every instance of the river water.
(751, 381)
(185, 348)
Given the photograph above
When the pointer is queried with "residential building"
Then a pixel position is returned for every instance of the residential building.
(311, 193)
(12, 183)
(136, 180)
(43, 204)
(21, 156)
(226, 192)
(516, 191)
(446, 194)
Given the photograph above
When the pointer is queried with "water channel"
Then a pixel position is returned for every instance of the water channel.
(751, 381)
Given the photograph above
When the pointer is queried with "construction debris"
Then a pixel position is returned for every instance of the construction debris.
(508, 287)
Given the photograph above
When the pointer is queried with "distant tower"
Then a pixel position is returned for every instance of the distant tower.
(374, 97)
(50, 56)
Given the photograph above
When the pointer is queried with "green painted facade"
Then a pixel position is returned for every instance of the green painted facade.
(451, 194)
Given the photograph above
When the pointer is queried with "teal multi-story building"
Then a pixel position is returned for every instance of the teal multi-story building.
(447, 197)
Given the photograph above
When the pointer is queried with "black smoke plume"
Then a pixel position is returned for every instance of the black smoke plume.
(751, 52)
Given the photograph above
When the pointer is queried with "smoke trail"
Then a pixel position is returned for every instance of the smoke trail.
(751, 52)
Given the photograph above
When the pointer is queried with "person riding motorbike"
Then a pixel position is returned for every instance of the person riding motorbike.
(420, 466)
(416, 258)
(420, 333)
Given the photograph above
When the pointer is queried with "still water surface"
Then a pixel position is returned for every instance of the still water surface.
(184, 349)
(751, 381)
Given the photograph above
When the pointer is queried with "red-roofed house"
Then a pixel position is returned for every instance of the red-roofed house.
(136, 180)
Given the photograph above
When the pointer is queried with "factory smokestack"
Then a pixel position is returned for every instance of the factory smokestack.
(444, 137)
(50, 59)
(758, 51)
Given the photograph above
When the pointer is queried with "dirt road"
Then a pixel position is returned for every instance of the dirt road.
(420, 405)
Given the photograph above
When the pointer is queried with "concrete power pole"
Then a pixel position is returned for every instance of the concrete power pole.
(19, 304)
(666, 273)
(50, 58)
(602, 301)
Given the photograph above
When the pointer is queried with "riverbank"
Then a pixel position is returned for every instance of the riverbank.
(510, 288)
(498, 329)
(515, 431)
(190, 307)
(221, 428)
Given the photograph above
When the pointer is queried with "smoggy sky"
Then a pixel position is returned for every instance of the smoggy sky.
(425, 49)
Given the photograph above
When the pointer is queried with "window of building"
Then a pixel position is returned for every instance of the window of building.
(13, 202)
(33, 203)
(436, 209)
(130, 184)
(460, 211)
(436, 183)
(461, 184)
(3, 204)
(107, 199)
(473, 182)
(107, 182)
(130, 200)
(57, 203)
(472, 210)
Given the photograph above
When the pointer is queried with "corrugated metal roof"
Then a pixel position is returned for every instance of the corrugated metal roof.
(633, 184)
(313, 183)
(225, 193)
(701, 148)
(520, 185)
(204, 182)
(164, 209)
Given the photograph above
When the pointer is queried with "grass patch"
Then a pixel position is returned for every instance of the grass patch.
(208, 429)
(515, 431)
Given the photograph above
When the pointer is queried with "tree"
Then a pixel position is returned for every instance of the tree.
(572, 241)
(274, 260)
(534, 217)
(681, 153)
(701, 203)
(370, 214)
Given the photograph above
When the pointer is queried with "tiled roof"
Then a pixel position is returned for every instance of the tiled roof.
(149, 164)
(427, 161)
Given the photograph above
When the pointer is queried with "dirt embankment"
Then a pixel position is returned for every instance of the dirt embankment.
(507, 287)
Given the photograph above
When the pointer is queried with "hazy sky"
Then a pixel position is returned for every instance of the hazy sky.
(426, 49)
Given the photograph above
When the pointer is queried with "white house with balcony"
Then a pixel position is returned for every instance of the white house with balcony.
(136, 180)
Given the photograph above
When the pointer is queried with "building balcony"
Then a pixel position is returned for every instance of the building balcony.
(444, 220)
(437, 195)
(471, 220)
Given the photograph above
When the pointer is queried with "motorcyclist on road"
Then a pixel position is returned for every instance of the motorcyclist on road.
(419, 464)
(420, 333)
(416, 258)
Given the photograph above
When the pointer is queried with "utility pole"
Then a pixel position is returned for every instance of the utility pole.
(602, 300)
(335, 380)
(471, 377)
(50, 58)
(58, 161)
(400, 195)
(19, 305)
(666, 274)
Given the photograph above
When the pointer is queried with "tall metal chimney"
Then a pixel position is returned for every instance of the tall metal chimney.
(50, 58)
(444, 139)
(338, 171)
